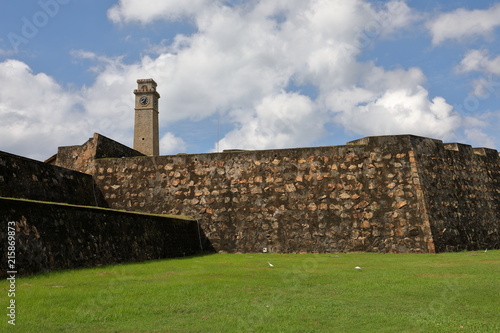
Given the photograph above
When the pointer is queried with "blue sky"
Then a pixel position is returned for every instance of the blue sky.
(249, 74)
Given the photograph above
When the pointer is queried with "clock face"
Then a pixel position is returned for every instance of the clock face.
(144, 100)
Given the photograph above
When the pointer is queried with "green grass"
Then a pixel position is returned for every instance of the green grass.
(450, 292)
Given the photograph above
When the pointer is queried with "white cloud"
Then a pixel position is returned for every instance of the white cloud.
(394, 111)
(480, 130)
(485, 87)
(147, 12)
(171, 144)
(240, 64)
(462, 23)
(478, 61)
(392, 102)
(478, 138)
(37, 114)
(284, 120)
(82, 54)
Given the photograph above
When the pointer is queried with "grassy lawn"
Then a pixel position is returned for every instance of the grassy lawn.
(450, 292)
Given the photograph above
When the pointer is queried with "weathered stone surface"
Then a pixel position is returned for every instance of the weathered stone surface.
(370, 189)
(382, 194)
(29, 179)
(53, 236)
(461, 190)
(81, 158)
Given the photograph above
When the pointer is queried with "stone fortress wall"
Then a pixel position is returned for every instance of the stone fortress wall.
(461, 187)
(28, 179)
(53, 236)
(394, 194)
(388, 194)
(59, 226)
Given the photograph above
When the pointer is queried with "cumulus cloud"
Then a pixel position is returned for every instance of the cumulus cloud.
(479, 61)
(462, 23)
(37, 113)
(247, 63)
(284, 120)
(146, 12)
(394, 102)
(485, 87)
(394, 111)
(171, 144)
(274, 43)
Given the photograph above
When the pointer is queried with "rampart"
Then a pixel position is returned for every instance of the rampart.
(389, 194)
(57, 227)
(461, 187)
(29, 179)
(53, 236)
(382, 194)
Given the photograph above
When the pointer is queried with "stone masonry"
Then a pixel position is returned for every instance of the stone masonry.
(382, 194)
(59, 221)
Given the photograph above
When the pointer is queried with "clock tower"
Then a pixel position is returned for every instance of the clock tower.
(146, 134)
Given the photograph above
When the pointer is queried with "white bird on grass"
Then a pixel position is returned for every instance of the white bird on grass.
(357, 267)
(270, 264)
